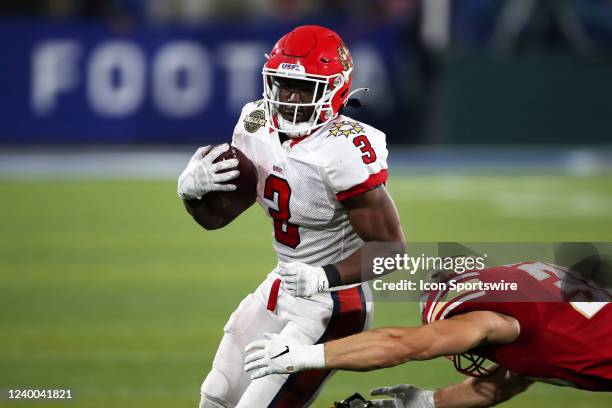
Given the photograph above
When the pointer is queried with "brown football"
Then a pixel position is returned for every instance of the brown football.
(233, 203)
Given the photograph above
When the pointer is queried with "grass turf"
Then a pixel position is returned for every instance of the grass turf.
(109, 288)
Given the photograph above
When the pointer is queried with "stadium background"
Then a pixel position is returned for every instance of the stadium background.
(497, 114)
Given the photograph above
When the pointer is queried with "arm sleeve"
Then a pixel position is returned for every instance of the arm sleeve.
(356, 164)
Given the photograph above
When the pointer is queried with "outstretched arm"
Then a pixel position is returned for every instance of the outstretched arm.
(387, 347)
(482, 392)
(488, 391)
(384, 347)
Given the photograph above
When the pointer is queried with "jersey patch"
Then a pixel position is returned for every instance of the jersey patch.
(254, 120)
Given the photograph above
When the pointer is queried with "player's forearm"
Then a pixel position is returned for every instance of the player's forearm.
(374, 218)
(370, 350)
(461, 395)
(349, 269)
(204, 216)
(390, 346)
(481, 392)
(358, 266)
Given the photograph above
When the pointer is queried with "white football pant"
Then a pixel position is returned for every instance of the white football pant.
(323, 317)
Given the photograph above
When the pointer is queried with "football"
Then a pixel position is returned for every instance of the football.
(233, 203)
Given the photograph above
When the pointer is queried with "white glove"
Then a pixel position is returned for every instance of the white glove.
(278, 355)
(302, 280)
(202, 176)
(403, 396)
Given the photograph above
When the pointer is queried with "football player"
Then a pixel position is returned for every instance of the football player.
(559, 333)
(321, 178)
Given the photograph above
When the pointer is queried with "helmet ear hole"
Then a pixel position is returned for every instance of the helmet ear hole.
(338, 81)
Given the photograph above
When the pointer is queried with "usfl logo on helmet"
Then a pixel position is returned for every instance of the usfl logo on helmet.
(291, 67)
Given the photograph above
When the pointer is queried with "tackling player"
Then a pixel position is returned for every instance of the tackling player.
(321, 178)
(564, 342)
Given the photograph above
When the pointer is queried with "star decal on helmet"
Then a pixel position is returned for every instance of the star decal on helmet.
(345, 128)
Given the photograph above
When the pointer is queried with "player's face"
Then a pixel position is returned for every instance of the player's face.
(296, 91)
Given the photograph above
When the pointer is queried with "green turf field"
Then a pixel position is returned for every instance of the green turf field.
(109, 288)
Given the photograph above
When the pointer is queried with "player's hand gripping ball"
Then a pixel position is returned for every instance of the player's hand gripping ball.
(232, 203)
(222, 177)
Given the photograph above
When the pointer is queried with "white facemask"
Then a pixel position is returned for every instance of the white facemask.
(322, 113)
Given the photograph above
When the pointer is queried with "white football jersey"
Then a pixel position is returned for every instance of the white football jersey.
(301, 183)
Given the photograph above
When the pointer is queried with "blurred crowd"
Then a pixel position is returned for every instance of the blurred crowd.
(503, 24)
(202, 11)
(428, 36)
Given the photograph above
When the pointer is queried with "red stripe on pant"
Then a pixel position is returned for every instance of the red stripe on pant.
(348, 317)
(273, 296)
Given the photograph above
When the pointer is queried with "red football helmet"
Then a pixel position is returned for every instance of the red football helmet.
(319, 57)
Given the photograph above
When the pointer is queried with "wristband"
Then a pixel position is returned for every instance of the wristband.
(333, 275)
(308, 357)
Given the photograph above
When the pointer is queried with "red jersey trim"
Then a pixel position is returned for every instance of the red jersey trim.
(371, 182)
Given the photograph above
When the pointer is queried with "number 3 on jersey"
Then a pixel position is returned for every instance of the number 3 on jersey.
(363, 144)
(285, 232)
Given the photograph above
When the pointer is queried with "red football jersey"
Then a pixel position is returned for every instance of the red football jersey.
(565, 320)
